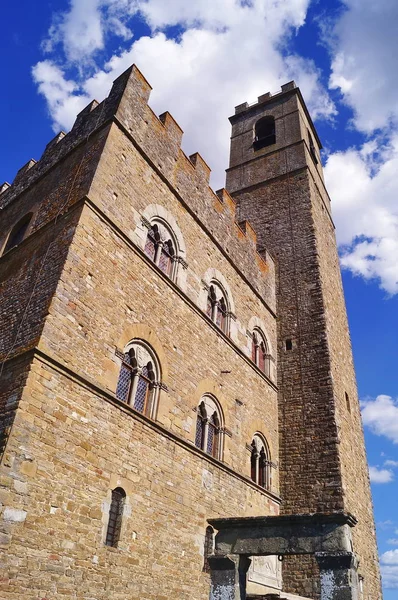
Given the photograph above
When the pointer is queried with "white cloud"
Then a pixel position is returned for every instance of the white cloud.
(362, 181)
(389, 569)
(391, 463)
(389, 575)
(365, 46)
(364, 188)
(59, 92)
(380, 475)
(390, 557)
(381, 416)
(393, 541)
(228, 52)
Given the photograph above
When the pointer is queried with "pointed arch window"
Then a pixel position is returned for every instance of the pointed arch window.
(115, 517)
(18, 232)
(139, 378)
(260, 462)
(208, 435)
(160, 247)
(217, 307)
(259, 353)
(264, 133)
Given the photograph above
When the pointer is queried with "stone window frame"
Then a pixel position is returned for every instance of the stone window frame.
(210, 418)
(260, 346)
(214, 279)
(135, 373)
(260, 461)
(23, 224)
(156, 214)
(256, 325)
(264, 132)
(115, 517)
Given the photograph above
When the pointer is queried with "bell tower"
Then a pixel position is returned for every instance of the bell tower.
(275, 176)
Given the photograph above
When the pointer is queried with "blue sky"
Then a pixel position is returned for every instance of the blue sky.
(203, 58)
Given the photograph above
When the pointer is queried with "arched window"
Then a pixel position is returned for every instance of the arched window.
(208, 548)
(260, 462)
(160, 246)
(264, 133)
(260, 355)
(18, 232)
(217, 307)
(208, 435)
(139, 378)
(115, 517)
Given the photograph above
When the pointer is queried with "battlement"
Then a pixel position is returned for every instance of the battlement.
(158, 138)
(287, 87)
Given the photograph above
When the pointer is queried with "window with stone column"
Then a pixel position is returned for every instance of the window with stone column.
(260, 352)
(260, 462)
(217, 307)
(140, 378)
(209, 427)
(161, 248)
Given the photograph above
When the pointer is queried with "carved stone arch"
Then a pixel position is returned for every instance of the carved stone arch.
(257, 323)
(157, 212)
(209, 430)
(259, 437)
(212, 404)
(212, 388)
(259, 427)
(140, 331)
(213, 274)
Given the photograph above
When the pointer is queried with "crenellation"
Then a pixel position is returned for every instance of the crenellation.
(82, 115)
(56, 139)
(4, 186)
(201, 167)
(26, 167)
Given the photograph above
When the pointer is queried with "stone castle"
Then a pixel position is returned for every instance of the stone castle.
(174, 360)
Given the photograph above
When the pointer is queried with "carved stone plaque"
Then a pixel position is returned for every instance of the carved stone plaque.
(265, 570)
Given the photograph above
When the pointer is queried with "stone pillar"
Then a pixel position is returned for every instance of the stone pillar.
(228, 577)
(338, 574)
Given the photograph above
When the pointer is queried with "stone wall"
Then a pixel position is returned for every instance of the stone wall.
(323, 464)
(88, 289)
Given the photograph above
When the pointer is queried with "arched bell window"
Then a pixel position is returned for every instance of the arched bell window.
(264, 133)
(260, 354)
(115, 517)
(160, 247)
(217, 307)
(18, 232)
(260, 462)
(139, 378)
(208, 435)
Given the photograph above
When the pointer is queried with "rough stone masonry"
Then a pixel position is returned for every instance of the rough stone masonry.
(114, 247)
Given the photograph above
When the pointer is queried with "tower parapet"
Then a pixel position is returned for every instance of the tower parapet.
(158, 139)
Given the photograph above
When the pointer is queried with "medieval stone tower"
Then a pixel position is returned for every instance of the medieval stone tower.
(277, 183)
(170, 355)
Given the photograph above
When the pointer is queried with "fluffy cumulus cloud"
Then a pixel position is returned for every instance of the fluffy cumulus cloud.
(199, 76)
(365, 46)
(202, 58)
(364, 190)
(380, 475)
(362, 181)
(389, 568)
(381, 416)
